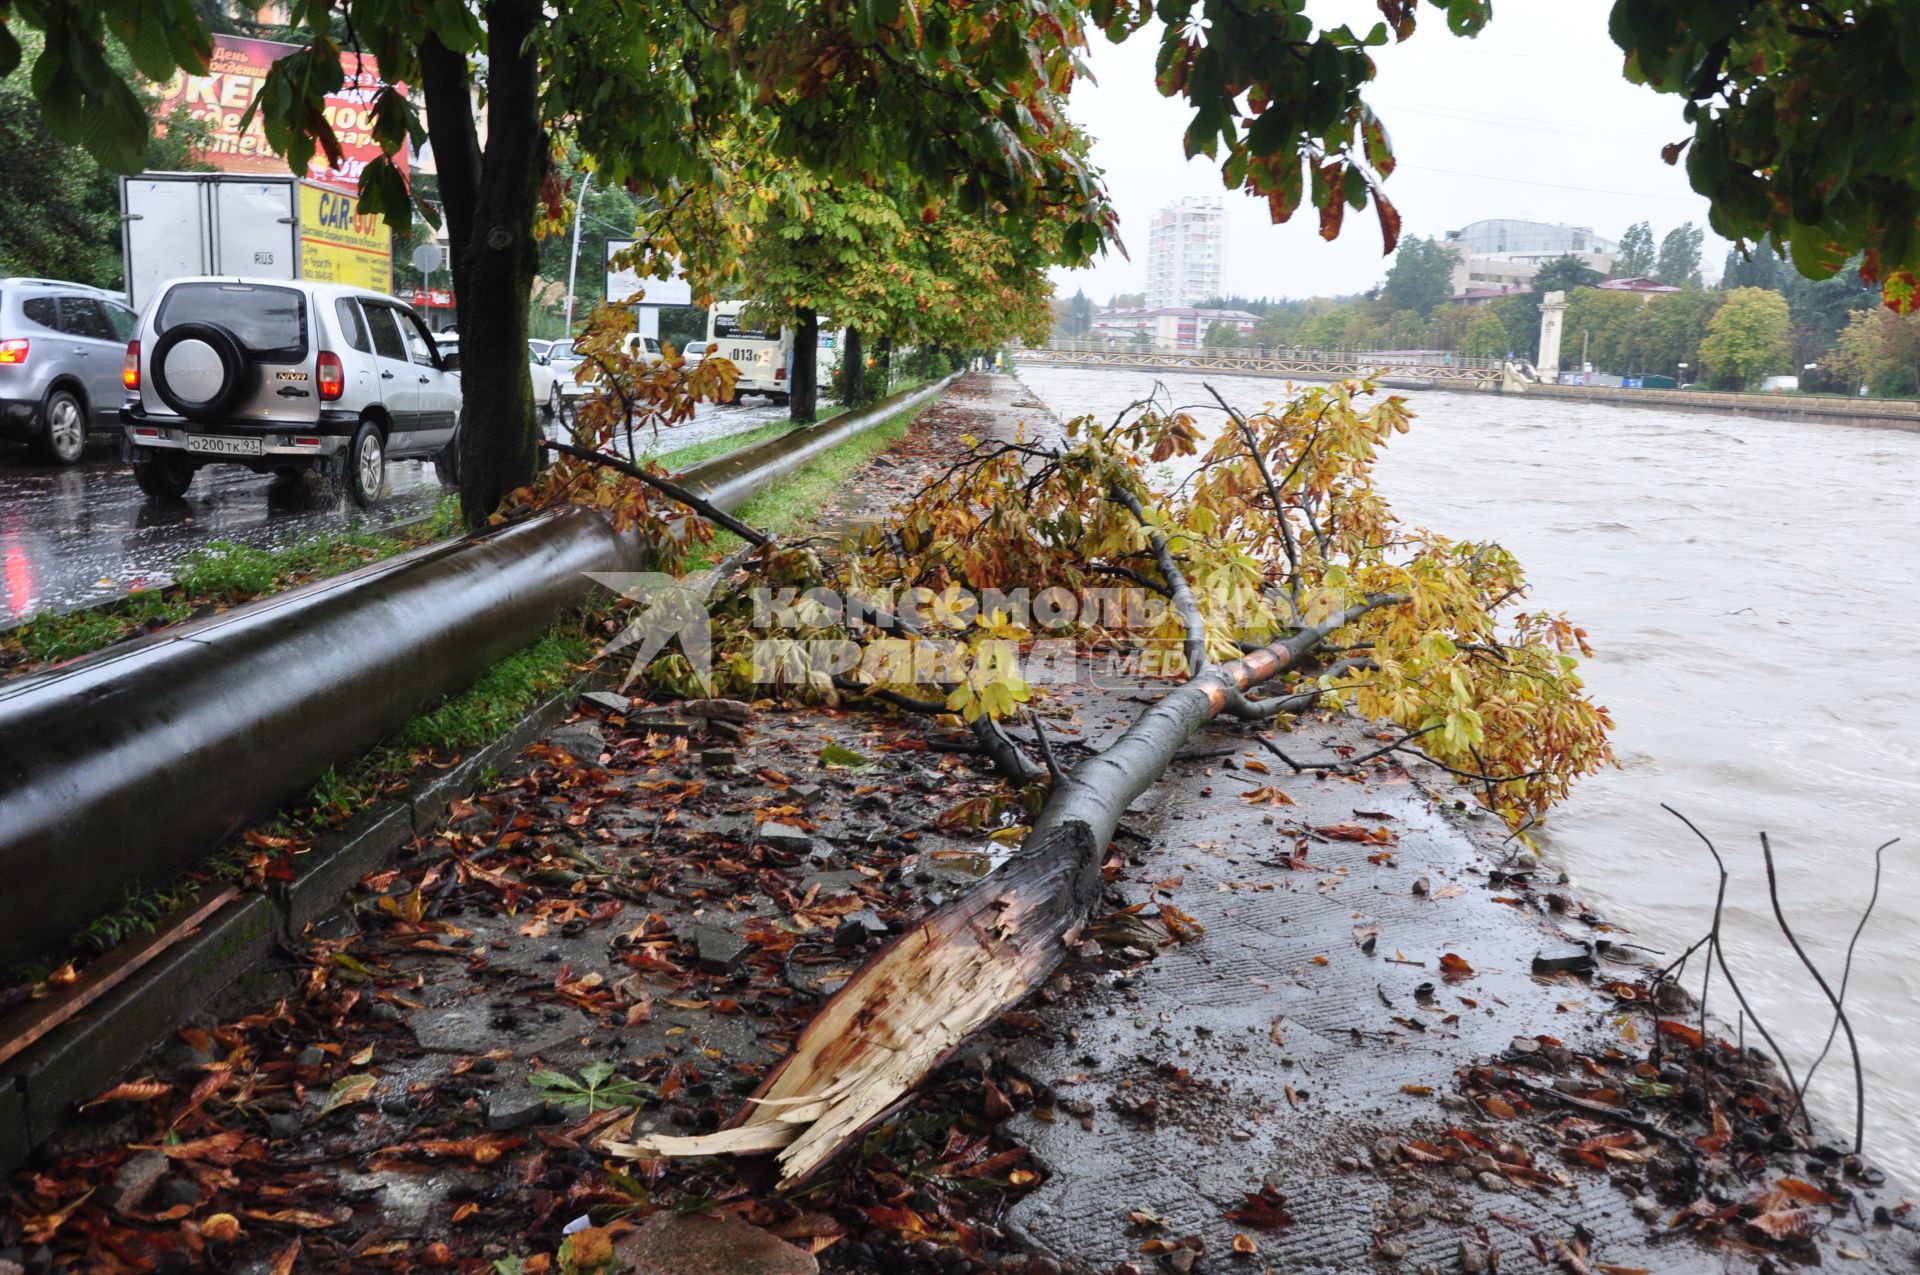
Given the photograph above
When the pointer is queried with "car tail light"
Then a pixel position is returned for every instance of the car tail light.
(779, 374)
(13, 351)
(333, 377)
(306, 440)
(130, 370)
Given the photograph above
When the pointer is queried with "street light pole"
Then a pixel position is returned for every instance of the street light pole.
(573, 263)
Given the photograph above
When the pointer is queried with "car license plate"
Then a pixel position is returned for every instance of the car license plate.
(225, 446)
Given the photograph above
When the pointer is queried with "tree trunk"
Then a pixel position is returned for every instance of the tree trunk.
(804, 383)
(977, 957)
(853, 360)
(883, 366)
(489, 198)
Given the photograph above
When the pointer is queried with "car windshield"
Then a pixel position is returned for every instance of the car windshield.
(563, 352)
(270, 322)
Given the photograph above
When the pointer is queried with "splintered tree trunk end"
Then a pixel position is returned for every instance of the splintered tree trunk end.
(909, 1007)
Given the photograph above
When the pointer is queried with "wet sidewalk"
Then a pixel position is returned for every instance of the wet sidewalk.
(1354, 1052)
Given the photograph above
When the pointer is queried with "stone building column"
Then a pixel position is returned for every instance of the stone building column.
(1553, 317)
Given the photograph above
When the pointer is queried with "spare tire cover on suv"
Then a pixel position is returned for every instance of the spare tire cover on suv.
(201, 370)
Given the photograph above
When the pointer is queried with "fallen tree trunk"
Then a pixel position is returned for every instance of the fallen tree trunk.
(970, 961)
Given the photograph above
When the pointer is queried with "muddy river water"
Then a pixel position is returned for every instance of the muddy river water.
(1752, 592)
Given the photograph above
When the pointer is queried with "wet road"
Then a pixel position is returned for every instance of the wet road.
(72, 537)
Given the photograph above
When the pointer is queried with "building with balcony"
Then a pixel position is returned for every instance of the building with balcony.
(1186, 247)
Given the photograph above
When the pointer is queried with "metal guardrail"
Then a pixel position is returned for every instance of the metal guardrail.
(1306, 365)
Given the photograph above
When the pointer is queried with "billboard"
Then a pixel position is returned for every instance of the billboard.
(338, 244)
(622, 284)
(234, 76)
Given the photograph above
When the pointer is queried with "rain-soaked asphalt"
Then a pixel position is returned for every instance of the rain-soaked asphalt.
(76, 536)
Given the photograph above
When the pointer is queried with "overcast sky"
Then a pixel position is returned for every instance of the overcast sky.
(1531, 119)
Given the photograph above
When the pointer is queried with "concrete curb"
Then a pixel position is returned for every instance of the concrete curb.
(84, 1055)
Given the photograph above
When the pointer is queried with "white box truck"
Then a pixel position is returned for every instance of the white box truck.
(178, 224)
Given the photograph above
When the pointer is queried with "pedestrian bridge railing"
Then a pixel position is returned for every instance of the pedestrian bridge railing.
(1429, 367)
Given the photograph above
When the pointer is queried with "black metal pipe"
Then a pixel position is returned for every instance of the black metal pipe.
(138, 762)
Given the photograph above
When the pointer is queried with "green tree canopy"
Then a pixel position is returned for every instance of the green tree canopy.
(1421, 276)
(64, 206)
(1747, 338)
(1636, 257)
(1679, 262)
(1564, 274)
(1485, 337)
(1762, 268)
(1672, 328)
(1520, 316)
(1805, 132)
(1603, 323)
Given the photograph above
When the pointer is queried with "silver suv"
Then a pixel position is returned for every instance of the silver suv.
(282, 377)
(60, 350)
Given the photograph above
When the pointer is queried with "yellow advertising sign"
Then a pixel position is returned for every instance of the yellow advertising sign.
(339, 245)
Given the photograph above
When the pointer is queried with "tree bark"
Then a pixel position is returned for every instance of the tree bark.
(490, 196)
(853, 360)
(803, 390)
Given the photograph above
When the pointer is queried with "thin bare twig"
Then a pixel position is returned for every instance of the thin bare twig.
(1718, 953)
(1846, 970)
(1839, 1008)
(1046, 746)
(1273, 495)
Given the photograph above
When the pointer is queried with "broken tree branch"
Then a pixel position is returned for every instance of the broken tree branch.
(1717, 954)
(1846, 970)
(973, 959)
(1046, 745)
(1273, 495)
(712, 513)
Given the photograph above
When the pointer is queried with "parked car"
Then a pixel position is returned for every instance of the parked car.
(546, 389)
(283, 377)
(61, 346)
(566, 362)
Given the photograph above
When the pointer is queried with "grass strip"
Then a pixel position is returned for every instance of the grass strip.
(211, 579)
(800, 496)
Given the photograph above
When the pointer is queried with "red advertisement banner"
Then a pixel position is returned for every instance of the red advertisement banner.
(235, 73)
